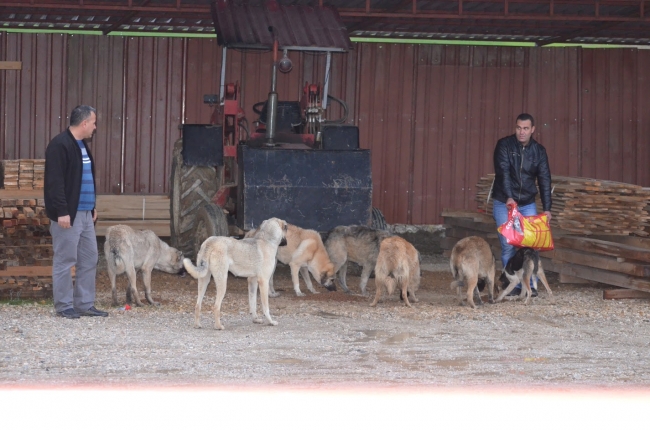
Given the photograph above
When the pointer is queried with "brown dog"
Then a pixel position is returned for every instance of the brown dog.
(471, 260)
(305, 254)
(398, 265)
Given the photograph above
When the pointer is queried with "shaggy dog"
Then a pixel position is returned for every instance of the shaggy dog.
(356, 243)
(128, 250)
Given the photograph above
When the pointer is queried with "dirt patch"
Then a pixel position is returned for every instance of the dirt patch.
(333, 339)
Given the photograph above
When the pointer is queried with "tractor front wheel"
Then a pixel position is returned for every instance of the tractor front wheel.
(210, 221)
(191, 188)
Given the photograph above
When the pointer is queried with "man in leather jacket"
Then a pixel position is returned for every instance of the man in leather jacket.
(519, 162)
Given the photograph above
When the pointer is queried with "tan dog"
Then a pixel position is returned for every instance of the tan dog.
(128, 250)
(472, 259)
(253, 258)
(305, 254)
(398, 265)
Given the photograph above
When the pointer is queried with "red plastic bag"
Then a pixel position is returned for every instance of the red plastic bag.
(527, 231)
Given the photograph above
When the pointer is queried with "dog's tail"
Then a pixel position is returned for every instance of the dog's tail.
(116, 256)
(201, 268)
(198, 271)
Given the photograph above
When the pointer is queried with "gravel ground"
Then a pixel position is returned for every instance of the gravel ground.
(333, 339)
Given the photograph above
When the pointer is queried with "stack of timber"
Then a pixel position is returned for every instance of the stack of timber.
(622, 261)
(23, 174)
(10, 172)
(39, 175)
(25, 250)
(588, 206)
(140, 212)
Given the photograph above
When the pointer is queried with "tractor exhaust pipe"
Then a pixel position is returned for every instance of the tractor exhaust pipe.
(272, 104)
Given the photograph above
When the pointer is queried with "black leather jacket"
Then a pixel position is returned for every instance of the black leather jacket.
(516, 168)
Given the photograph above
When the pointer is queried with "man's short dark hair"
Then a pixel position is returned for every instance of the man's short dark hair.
(526, 117)
(81, 113)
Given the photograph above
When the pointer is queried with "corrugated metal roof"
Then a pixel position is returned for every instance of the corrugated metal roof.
(297, 27)
(540, 21)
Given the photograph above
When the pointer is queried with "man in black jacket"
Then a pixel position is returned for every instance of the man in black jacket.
(519, 161)
(70, 203)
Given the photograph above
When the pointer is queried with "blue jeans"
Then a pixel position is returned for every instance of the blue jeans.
(500, 214)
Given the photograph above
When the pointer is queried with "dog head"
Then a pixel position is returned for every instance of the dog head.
(170, 260)
(273, 230)
(327, 277)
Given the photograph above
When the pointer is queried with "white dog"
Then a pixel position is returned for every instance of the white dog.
(253, 258)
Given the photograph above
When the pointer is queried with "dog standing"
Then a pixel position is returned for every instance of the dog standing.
(305, 254)
(128, 250)
(356, 243)
(519, 270)
(472, 259)
(252, 258)
(398, 265)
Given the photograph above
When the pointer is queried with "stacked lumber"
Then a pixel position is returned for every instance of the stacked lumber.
(622, 261)
(10, 172)
(26, 175)
(25, 249)
(39, 175)
(23, 174)
(140, 212)
(588, 206)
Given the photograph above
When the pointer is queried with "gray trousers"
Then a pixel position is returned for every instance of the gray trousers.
(74, 246)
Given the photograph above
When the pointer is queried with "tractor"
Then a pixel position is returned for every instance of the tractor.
(291, 162)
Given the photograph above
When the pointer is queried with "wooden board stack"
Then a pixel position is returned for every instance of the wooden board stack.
(588, 206)
(25, 250)
(39, 174)
(26, 175)
(10, 172)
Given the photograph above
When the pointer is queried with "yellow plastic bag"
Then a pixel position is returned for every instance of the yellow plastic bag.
(527, 231)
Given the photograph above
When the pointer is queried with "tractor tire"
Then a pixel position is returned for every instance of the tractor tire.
(210, 221)
(191, 187)
(378, 220)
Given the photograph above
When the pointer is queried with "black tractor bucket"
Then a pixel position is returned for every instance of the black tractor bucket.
(314, 189)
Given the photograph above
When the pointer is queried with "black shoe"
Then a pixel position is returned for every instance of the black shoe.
(68, 313)
(93, 312)
(514, 292)
(533, 292)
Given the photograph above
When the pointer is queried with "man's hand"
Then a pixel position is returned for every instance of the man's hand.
(548, 214)
(510, 203)
(94, 215)
(64, 221)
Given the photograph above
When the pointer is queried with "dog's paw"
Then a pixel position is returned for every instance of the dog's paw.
(257, 320)
(300, 294)
(198, 326)
(218, 326)
(273, 322)
(274, 294)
